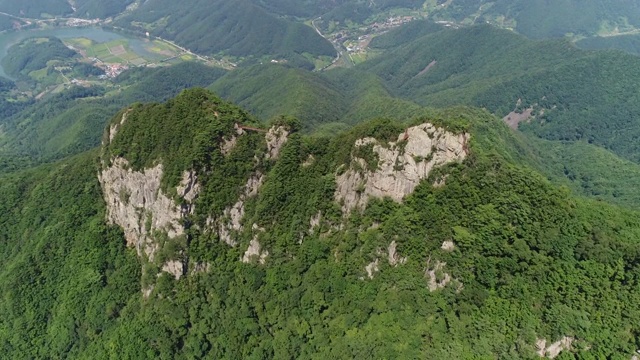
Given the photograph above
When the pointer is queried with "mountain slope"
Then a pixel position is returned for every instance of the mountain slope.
(71, 122)
(543, 19)
(256, 244)
(100, 8)
(36, 8)
(573, 94)
(341, 95)
(237, 27)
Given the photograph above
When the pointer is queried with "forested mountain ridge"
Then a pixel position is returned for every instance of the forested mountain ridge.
(237, 27)
(571, 94)
(285, 29)
(257, 241)
(198, 230)
(70, 122)
(518, 78)
(544, 19)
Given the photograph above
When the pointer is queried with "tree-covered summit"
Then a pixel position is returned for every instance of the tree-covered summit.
(485, 258)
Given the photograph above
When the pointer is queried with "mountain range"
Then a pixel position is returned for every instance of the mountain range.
(466, 192)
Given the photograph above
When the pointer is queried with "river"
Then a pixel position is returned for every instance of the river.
(93, 33)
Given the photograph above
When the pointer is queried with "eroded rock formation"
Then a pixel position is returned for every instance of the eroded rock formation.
(401, 165)
(136, 203)
(553, 350)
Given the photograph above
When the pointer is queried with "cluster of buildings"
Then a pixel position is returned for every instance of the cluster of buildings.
(393, 22)
(81, 22)
(352, 45)
(111, 70)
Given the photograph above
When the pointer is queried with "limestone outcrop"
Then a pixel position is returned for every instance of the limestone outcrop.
(553, 350)
(401, 165)
(372, 268)
(136, 203)
(113, 129)
(437, 278)
(276, 137)
(231, 220)
(255, 250)
(393, 256)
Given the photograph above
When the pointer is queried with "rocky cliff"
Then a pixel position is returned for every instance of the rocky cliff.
(151, 216)
(398, 166)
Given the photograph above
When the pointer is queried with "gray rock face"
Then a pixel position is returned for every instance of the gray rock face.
(432, 275)
(437, 278)
(189, 188)
(401, 166)
(448, 245)
(113, 129)
(136, 204)
(232, 216)
(372, 268)
(276, 137)
(255, 250)
(393, 256)
(314, 222)
(553, 350)
(174, 267)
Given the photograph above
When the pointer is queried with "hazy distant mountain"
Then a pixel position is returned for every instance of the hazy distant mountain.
(236, 27)
(544, 18)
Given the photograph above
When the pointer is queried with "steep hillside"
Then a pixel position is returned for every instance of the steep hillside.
(589, 170)
(33, 54)
(628, 43)
(65, 276)
(543, 19)
(341, 95)
(100, 8)
(237, 27)
(565, 93)
(36, 8)
(271, 90)
(244, 241)
(70, 122)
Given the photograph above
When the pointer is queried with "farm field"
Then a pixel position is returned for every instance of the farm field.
(125, 51)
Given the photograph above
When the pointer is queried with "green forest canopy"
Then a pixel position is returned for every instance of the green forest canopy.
(534, 261)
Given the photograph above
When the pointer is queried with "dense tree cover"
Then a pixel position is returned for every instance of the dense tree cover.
(271, 90)
(591, 170)
(9, 105)
(65, 276)
(584, 95)
(405, 34)
(304, 8)
(36, 8)
(196, 116)
(100, 8)
(72, 121)
(340, 95)
(628, 43)
(543, 19)
(237, 27)
(340, 10)
(533, 261)
(85, 70)
(33, 54)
